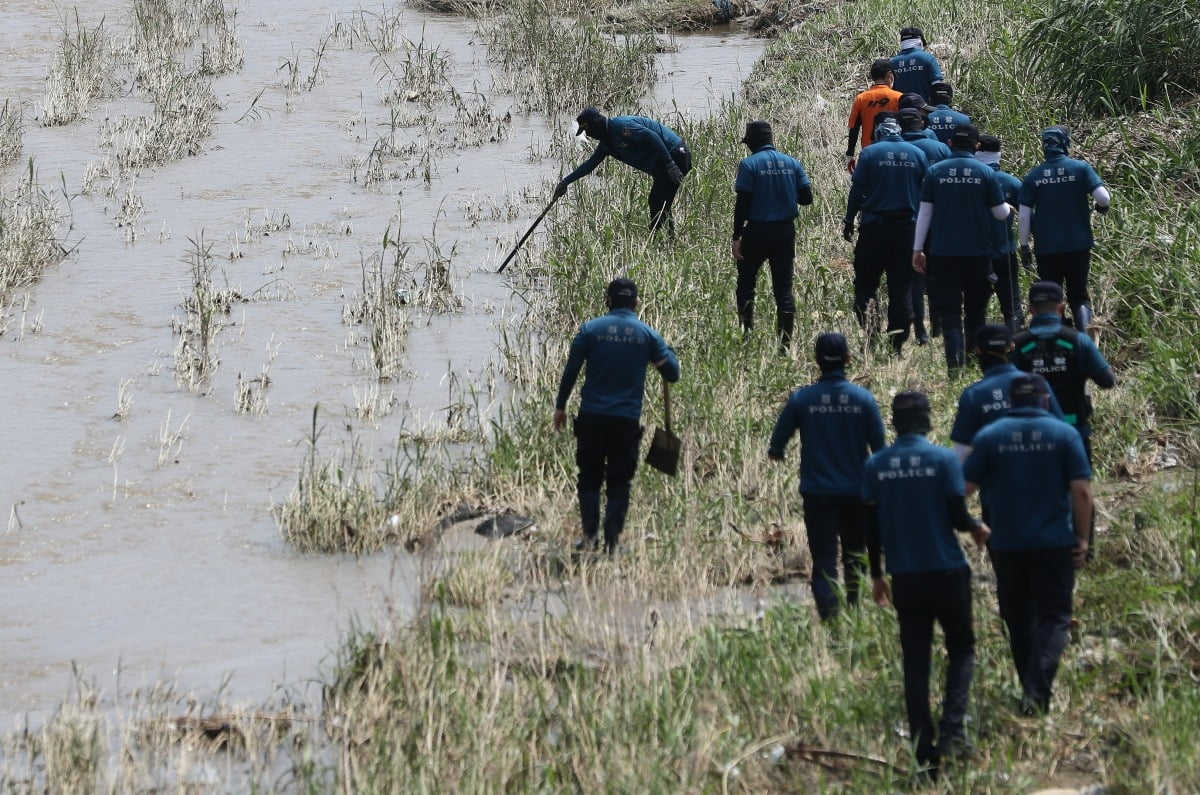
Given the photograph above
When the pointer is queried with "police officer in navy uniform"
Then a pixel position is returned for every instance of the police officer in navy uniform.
(839, 426)
(642, 143)
(885, 188)
(616, 348)
(1054, 208)
(914, 131)
(943, 118)
(1007, 285)
(915, 69)
(987, 400)
(1067, 359)
(960, 197)
(770, 187)
(915, 498)
(1034, 477)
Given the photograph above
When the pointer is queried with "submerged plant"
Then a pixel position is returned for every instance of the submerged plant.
(12, 131)
(30, 221)
(82, 71)
(381, 307)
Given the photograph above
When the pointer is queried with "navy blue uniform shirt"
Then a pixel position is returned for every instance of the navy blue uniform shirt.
(987, 400)
(911, 481)
(774, 181)
(887, 179)
(962, 191)
(1058, 192)
(640, 142)
(1024, 464)
(839, 426)
(616, 347)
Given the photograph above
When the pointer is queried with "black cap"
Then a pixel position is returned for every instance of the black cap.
(911, 119)
(588, 116)
(1027, 390)
(914, 100)
(888, 118)
(941, 90)
(831, 347)
(965, 136)
(912, 33)
(880, 68)
(1045, 293)
(988, 143)
(993, 338)
(757, 134)
(910, 401)
(622, 292)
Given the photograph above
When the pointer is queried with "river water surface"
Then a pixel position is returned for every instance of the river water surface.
(142, 560)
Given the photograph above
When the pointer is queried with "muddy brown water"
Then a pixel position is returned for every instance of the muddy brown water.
(139, 571)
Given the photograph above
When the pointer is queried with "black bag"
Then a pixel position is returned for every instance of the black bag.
(665, 446)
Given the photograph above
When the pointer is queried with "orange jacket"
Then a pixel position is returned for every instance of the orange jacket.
(878, 97)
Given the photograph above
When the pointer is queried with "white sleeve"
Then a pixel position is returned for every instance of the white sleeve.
(1100, 194)
(1024, 222)
(1000, 211)
(924, 217)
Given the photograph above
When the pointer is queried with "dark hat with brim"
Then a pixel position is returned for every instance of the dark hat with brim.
(757, 132)
(1027, 390)
(915, 100)
(993, 338)
(832, 347)
(965, 136)
(1045, 293)
(588, 116)
(622, 291)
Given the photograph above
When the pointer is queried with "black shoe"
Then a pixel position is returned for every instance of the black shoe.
(955, 746)
(584, 546)
(1031, 707)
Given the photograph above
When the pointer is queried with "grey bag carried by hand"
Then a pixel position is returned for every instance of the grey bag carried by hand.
(665, 446)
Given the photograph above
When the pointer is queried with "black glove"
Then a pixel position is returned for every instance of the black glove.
(1026, 258)
(1102, 209)
(560, 189)
(848, 230)
(674, 173)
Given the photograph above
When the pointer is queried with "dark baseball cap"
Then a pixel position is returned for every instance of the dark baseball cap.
(1045, 292)
(910, 401)
(993, 338)
(1027, 390)
(880, 68)
(965, 136)
(832, 347)
(941, 90)
(914, 100)
(911, 118)
(622, 291)
(588, 116)
(912, 33)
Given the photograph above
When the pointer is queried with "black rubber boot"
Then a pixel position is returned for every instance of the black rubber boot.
(785, 324)
(589, 515)
(1081, 316)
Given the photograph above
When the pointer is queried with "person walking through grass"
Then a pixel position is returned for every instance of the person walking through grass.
(1055, 210)
(915, 499)
(770, 187)
(960, 197)
(915, 69)
(944, 118)
(1007, 284)
(878, 98)
(616, 348)
(885, 188)
(839, 426)
(1032, 473)
(643, 143)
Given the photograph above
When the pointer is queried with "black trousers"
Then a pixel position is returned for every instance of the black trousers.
(773, 242)
(1070, 269)
(958, 287)
(607, 455)
(830, 519)
(1034, 588)
(923, 599)
(1008, 289)
(885, 247)
(663, 190)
